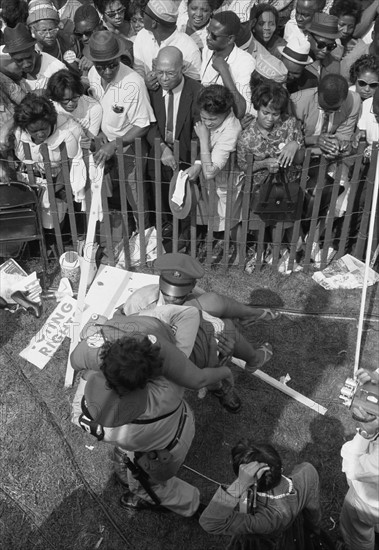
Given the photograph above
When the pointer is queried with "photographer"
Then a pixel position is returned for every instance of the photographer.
(263, 509)
(360, 461)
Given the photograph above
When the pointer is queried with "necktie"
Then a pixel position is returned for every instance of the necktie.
(170, 118)
(325, 123)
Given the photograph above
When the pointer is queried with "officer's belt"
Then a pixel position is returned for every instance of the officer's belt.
(136, 421)
(180, 429)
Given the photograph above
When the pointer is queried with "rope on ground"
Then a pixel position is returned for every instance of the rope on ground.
(68, 449)
(296, 313)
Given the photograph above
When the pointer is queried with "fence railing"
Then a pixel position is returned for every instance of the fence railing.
(323, 227)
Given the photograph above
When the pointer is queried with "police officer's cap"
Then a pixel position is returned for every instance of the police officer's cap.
(179, 273)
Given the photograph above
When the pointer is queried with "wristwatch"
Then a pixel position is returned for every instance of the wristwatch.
(365, 434)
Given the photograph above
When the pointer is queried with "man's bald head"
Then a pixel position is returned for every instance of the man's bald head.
(169, 67)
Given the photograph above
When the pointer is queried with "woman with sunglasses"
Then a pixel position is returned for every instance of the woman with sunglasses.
(364, 76)
(67, 92)
(115, 19)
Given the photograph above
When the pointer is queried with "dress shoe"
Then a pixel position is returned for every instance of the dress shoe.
(228, 397)
(35, 308)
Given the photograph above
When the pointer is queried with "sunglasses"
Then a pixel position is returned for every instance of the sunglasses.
(111, 66)
(321, 45)
(85, 33)
(114, 14)
(215, 36)
(363, 84)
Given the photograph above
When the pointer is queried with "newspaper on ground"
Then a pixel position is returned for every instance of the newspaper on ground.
(13, 277)
(345, 273)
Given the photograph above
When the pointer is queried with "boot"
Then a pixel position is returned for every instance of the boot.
(119, 466)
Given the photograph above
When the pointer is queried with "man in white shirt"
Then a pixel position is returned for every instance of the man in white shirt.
(224, 63)
(160, 18)
(35, 67)
(305, 10)
(122, 93)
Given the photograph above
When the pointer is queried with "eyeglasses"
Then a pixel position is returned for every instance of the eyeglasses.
(47, 31)
(114, 14)
(85, 33)
(363, 84)
(71, 99)
(111, 66)
(321, 45)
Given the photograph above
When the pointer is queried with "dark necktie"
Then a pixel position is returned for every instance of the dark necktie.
(325, 123)
(170, 118)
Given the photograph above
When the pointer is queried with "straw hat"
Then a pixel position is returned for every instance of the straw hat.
(297, 51)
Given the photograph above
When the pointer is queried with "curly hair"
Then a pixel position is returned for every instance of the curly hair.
(32, 109)
(346, 7)
(136, 6)
(213, 4)
(61, 81)
(247, 451)
(270, 93)
(257, 10)
(129, 363)
(101, 5)
(364, 63)
(215, 99)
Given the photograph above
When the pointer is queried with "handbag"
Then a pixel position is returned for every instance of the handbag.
(279, 197)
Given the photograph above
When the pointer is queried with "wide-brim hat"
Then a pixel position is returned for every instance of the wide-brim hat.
(17, 39)
(324, 25)
(104, 46)
(107, 408)
(191, 196)
(295, 56)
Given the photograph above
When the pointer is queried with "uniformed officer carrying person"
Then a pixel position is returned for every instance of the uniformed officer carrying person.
(133, 398)
(177, 285)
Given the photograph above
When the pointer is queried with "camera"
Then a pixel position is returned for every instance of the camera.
(365, 396)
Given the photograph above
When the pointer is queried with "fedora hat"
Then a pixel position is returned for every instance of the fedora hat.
(324, 25)
(17, 39)
(104, 46)
(190, 195)
(296, 52)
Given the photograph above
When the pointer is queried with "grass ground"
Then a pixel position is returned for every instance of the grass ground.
(57, 490)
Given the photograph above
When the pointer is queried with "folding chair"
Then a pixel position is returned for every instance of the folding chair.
(20, 217)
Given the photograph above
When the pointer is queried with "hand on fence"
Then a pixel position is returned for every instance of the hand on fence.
(105, 152)
(272, 165)
(168, 158)
(328, 145)
(287, 154)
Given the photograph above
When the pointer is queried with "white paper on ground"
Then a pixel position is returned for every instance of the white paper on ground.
(347, 272)
(48, 339)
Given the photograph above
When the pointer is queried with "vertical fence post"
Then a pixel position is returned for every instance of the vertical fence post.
(52, 199)
(66, 164)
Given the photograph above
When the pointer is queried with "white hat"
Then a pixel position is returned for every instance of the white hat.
(297, 51)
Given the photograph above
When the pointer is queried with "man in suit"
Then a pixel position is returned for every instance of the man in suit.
(175, 107)
(329, 114)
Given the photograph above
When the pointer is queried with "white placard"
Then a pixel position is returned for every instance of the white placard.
(48, 339)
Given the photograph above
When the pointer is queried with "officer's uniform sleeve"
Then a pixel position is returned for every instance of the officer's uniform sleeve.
(85, 357)
(76, 409)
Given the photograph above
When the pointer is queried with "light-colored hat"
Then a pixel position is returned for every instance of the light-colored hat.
(164, 10)
(297, 51)
(40, 10)
(271, 68)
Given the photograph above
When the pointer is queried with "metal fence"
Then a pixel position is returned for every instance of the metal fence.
(346, 233)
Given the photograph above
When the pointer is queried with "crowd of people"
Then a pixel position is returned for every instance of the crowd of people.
(267, 80)
(134, 369)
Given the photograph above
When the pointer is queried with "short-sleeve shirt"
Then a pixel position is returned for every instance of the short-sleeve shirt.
(241, 65)
(88, 113)
(146, 49)
(125, 102)
(367, 122)
(49, 66)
